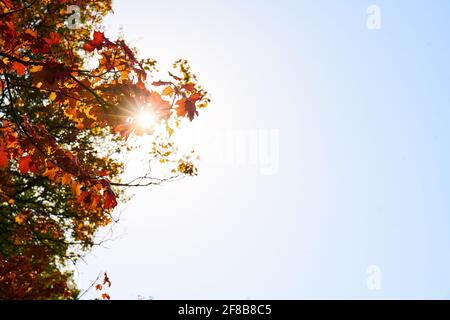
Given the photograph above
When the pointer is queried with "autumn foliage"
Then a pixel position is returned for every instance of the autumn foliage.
(69, 103)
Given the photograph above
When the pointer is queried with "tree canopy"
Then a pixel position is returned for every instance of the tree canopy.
(70, 102)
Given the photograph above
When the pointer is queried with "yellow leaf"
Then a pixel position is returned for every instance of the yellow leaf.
(20, 218)
(168, 91)
(50, 173)
(124, 75)
(169, 129)
(52, 96)
(36, 68)
(76, 188)
(66, 179)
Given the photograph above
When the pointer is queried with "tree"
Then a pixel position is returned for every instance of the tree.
(69, 105)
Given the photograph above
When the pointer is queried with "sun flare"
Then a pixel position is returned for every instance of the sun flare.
(145, 119)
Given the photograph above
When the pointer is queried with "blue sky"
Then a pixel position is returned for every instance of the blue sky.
(362, 154)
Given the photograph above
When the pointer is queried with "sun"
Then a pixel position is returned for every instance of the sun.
(145, 119)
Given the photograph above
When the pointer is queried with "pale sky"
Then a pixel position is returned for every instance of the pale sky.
(345, 166)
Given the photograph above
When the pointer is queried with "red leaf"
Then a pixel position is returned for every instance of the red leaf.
(128, 51)
(8, 3)
(195, 97)
(19, 68)
(88, 47)
(99, 37)
(26, 164)
(53, 38)
(3, 158)
(98, 287)
(96, 43)
(189, 87)
(106, 296)
(161, 83)
(181, 110)
(110, 199)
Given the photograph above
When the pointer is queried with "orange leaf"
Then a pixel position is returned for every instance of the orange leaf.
(168, 91)
(8, 3)
(181, 110)
(76, 188)
(20, 218)
(186, 107)
(96, 43)
(106, 296)
(31, 33)
(19, 68)
(140, 84)
(189, 87)
(66, 179)
(50, 173)
(26, 164)
(53, 38)
(88, 47)
(195, 97)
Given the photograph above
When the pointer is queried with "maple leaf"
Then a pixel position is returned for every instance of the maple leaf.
(53, 39)
(186, 107)
(26, 165)
(50, 73)
(8, 3)
(19, 68)
(66, 179)
(168, 91)
(189, 87)
(68, 161)
(96, 43)
(76, 188)
(36, 68)
(98, 287)
(106, 296)
(128, 51)
(20, 218)
(50, 173)
(110, 199)
(3, 158)
(31, 33)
